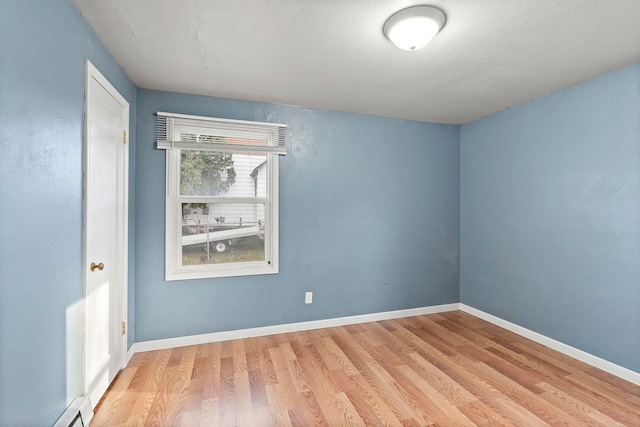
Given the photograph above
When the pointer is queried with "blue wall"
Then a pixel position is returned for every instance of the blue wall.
(550, 216)
(43, 47)
(369, 221)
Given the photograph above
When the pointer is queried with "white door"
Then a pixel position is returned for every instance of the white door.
(106, 183)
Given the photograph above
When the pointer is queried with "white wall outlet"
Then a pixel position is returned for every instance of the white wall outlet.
(308, 297)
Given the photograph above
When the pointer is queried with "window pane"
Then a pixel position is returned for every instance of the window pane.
(212, 173)
(218, 233)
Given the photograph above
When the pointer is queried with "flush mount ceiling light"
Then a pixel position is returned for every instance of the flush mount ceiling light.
(414, 27)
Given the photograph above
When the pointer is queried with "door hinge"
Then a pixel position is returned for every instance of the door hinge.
(124, 136)
(124, 328)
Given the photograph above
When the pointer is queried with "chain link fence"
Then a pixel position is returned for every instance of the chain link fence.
(222, 233)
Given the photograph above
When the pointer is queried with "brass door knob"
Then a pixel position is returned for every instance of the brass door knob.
(98, 266)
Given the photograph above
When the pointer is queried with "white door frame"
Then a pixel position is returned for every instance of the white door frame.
(122, 241)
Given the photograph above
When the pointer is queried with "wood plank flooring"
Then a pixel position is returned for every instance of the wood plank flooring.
(448, 369)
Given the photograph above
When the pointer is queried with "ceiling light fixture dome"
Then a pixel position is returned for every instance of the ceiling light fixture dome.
(414, 27)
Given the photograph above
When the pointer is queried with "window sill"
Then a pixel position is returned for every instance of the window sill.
(207, 273)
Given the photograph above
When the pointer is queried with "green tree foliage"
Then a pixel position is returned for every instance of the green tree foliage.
(205, 173)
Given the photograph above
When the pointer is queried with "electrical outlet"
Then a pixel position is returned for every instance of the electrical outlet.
(308, 297)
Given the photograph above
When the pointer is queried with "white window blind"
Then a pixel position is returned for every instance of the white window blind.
(213, 134)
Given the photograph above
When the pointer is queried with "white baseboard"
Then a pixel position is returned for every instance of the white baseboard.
(605, 365)
(289, 327)
(79, 412)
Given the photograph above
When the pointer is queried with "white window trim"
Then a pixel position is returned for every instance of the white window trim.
(174, 270)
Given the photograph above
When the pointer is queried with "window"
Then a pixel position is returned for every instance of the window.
(222, 196)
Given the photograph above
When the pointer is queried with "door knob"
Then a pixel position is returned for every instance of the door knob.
(98, 266)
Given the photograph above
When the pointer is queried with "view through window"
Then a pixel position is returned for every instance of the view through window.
(222, 231)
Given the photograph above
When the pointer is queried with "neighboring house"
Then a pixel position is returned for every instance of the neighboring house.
(250, 181)
(259, 175)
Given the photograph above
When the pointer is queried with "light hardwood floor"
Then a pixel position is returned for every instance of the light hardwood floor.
(445, 369)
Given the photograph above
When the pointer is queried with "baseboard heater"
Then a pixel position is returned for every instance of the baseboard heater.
(78, 414)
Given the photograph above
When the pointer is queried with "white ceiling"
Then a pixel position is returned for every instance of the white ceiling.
(332, 54)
